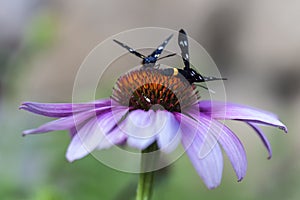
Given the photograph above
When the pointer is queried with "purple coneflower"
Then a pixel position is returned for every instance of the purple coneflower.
(148, 107)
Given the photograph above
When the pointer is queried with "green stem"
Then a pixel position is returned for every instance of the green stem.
(144, 190)
(145, 185)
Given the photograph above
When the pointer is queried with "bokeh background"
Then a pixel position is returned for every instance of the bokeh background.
(255, 44)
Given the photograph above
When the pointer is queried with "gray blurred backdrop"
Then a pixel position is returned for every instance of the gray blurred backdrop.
(255, 44)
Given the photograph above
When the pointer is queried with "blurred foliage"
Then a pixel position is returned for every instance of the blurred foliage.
(38, 36)
(41, 33)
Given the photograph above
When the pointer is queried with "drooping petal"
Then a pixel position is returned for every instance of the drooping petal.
(65, 123)
(196, 140)
(230, 143)
(169, 134)
(110, 119)
(93, 133)
(263, 138)
(73, 131)
(140, 126)
(85, 141)
(109, 124)
(139, 143)
(211, 106)
(115, 137)
(219, 110)
(62, 109)
(140, 123)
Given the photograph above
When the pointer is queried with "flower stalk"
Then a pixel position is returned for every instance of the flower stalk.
(146, 178)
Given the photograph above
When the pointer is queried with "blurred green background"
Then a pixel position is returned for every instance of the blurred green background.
(255, 44)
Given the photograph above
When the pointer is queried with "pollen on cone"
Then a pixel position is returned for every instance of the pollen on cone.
(143, 88)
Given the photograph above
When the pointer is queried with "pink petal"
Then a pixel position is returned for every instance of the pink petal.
(169, 134)
(141, 128)
(221, 111)
(65, 123)
(63, 109)
(85, 141)
(263, 138)
(230, 143)
(196, 140)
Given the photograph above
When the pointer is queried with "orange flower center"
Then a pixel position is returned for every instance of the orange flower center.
(148, 88)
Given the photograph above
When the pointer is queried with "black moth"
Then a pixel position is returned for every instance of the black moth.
(150, 60)
(187, 72)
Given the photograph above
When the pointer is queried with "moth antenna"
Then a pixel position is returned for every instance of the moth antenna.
(211, 91)
(170, 55)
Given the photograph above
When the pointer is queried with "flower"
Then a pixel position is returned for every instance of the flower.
(146, 107)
